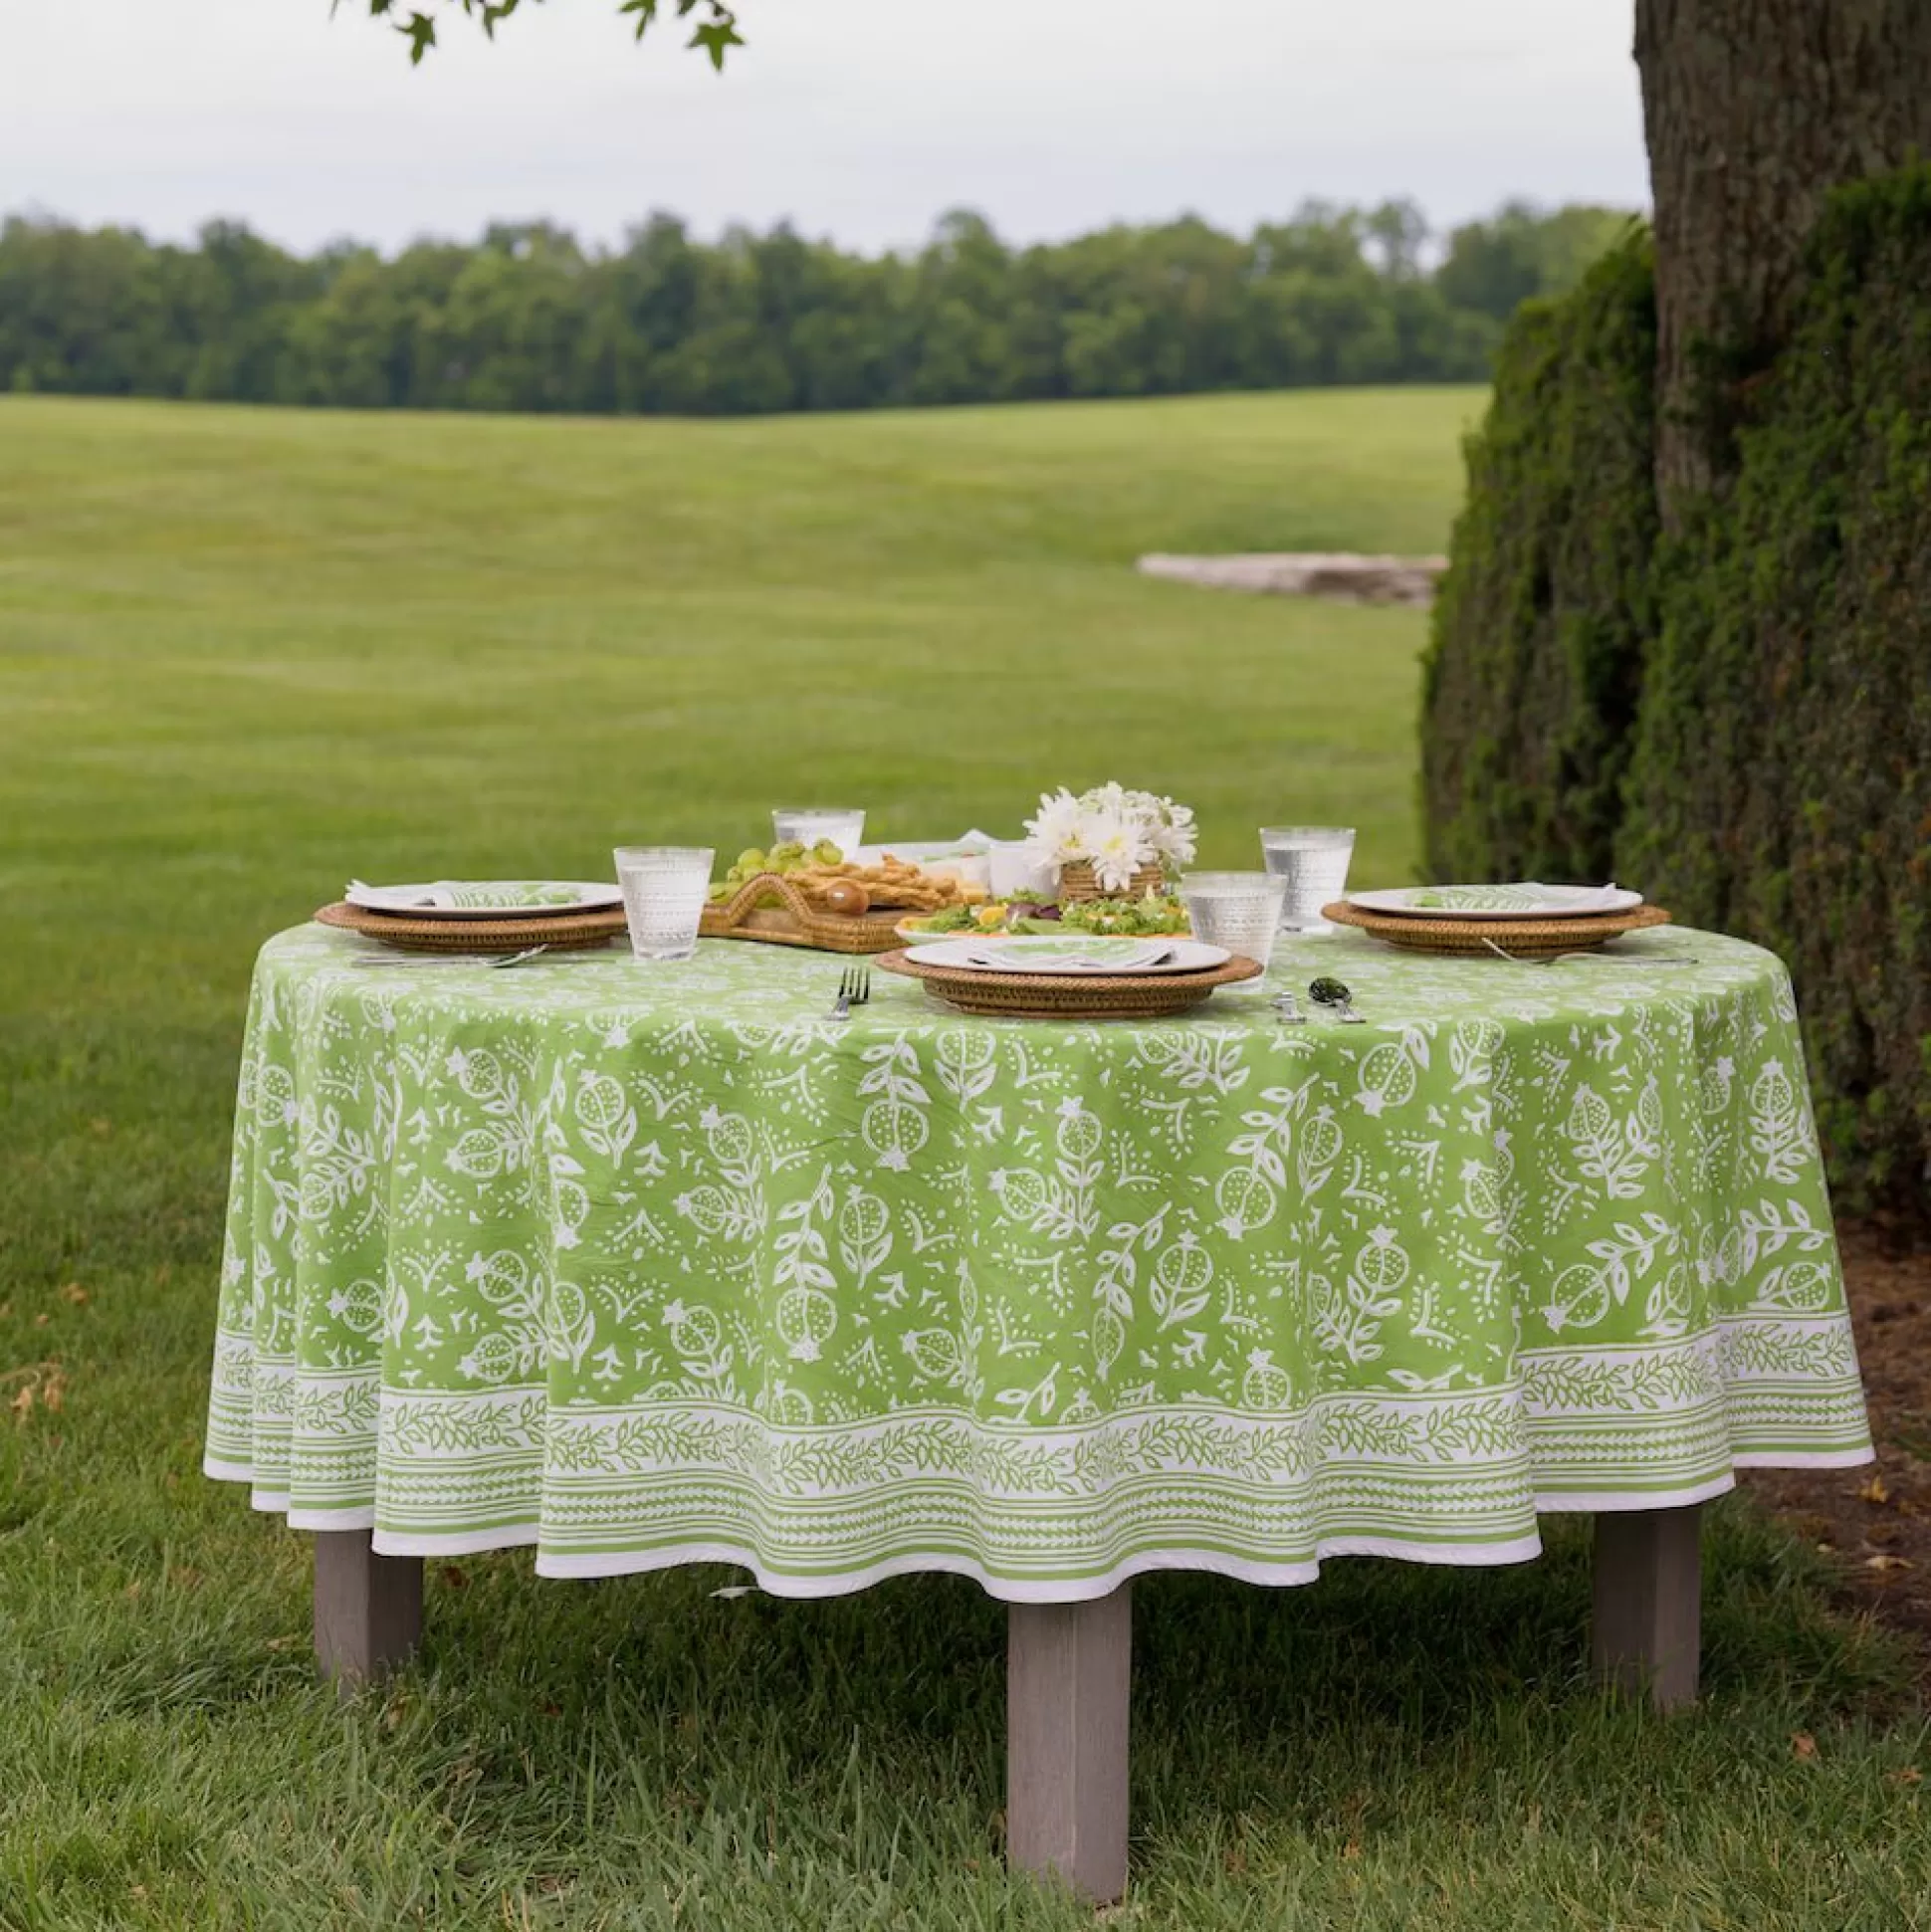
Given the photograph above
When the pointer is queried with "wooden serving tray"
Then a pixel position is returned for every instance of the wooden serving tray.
(1522, 938)
(798, 922)
(1069, 997)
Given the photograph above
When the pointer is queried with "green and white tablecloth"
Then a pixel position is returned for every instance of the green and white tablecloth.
(646, 1265)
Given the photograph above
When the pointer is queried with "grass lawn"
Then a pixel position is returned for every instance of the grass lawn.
(246, 654)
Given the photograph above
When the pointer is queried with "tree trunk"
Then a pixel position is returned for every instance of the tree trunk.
(1753, 111)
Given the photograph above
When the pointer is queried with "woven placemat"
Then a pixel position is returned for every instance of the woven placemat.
(1525, 939)
(1060, 995)
(559, 931)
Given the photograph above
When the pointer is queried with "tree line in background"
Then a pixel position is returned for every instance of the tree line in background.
(529, 318)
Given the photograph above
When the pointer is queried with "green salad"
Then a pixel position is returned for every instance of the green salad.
(1155, 917)
(1152, 916)
(950, 919)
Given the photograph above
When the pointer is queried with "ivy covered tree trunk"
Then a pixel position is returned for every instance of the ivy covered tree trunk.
(1779, 771)
(1780, 778)
(1531, 681)
(1754, 109)
(1686, 635)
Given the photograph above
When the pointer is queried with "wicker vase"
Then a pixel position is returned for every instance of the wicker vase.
(1076, 882)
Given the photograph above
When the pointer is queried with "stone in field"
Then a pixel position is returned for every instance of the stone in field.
(1339, 574)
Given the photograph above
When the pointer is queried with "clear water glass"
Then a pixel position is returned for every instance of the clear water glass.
(806, 824)
(664, 888)
(1013, 873)
(1311, 861)
(1238, 909)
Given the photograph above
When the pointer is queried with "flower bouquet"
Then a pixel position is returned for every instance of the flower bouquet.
(1109, 841)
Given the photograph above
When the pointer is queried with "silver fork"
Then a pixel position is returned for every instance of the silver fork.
(452, 958)
(854, 988)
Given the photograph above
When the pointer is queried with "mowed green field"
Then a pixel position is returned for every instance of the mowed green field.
(243, 655)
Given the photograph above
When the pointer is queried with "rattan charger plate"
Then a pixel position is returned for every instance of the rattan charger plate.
(1069, 997)
(1524, 938)
(561, 932)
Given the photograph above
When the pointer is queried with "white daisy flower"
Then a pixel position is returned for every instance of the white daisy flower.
(1115, 848)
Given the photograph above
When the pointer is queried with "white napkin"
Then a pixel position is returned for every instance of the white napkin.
(436, 895)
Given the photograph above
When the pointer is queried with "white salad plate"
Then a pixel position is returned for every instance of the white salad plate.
(917, 936)
(1528, 900)
(925, 851)
(1082, 955)
(485, 898)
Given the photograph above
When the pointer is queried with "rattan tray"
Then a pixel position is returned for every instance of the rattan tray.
(561, 932)
(1524, 938)
(798, 922)
(1060, 995)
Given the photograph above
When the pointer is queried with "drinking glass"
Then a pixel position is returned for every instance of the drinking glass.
(1238, 909)
(1013, 873)
(1312, 860)
(664, 889)
(806, 824)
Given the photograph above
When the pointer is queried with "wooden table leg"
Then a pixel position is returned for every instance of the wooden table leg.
(1069, 1675)
(1649, 1602)
(368, 1609)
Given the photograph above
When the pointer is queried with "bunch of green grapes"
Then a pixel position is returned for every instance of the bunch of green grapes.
(790, 856)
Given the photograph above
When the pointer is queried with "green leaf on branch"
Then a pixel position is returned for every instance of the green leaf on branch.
(714, 37)
(716, 29)
(421, 34)
(492, 12)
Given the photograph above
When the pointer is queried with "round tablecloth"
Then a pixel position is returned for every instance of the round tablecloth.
(656, 1264)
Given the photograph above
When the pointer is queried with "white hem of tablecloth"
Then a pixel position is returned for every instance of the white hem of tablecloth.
(1604, 1502)
(1806, 1458)
(1047, 1589)
(456, 1542)
(361, 1517)
(620, 1562)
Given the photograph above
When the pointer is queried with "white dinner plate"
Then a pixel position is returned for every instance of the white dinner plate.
(1528, 900)
(1071, 951)
(992, 956)
(917, 936)
(485, 898)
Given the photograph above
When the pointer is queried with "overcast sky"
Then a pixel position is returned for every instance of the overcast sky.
(856, 118)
